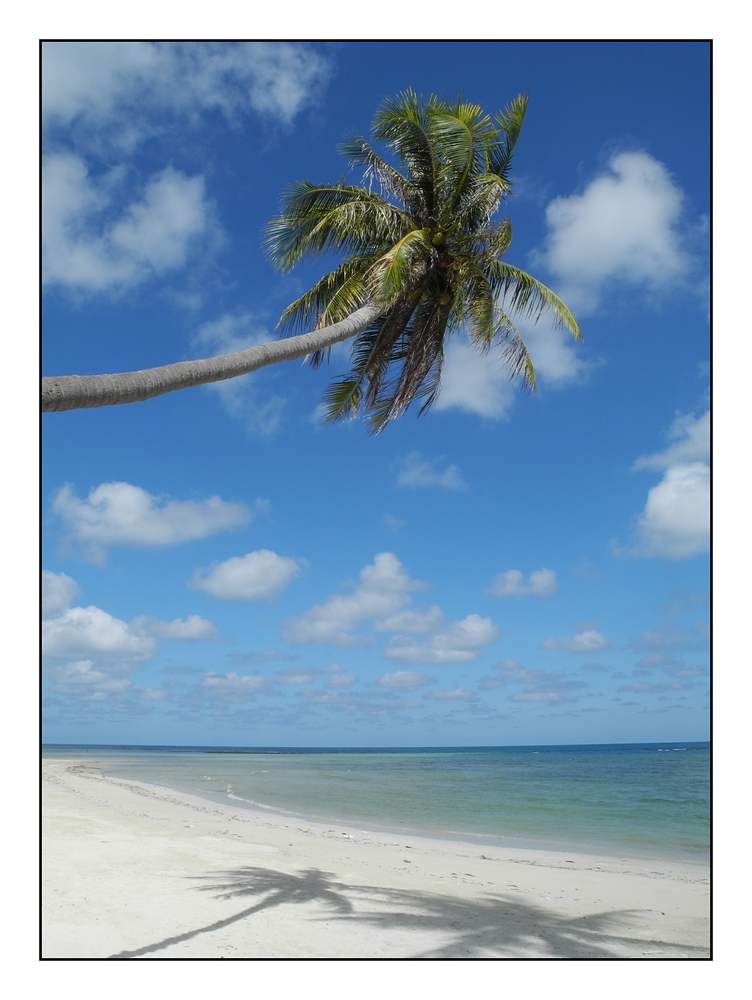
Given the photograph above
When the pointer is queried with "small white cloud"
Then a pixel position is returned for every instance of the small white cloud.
(58, 590)
(230, 687)
(474, 382)
(383, 590)
(85, 632)
(122, 514)
(511, 583)
(255, 576)
(622, 228)
(192, 629)
(675, 522)
(418, 472)
(691, 437)
(460, 642)
(403, 680)
(588, 641)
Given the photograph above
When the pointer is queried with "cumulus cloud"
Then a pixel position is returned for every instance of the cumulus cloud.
(84, 247)
(122, 514)
(381, 597)
(255, 576)
(474, 382)
(82, 632)
(403, 680)
(588, 641)
(193, 628)
(622, 228)
(511, 583)
(675, 522)
(460, 642)
(58, 590)
(384, 589)
(103, 650)
(417, 472)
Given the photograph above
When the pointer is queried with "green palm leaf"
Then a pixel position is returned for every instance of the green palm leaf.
(427, 251)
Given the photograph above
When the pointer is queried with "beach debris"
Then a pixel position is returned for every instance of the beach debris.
(307, 830)
(347, 836)
(485, 858)
(407, 860)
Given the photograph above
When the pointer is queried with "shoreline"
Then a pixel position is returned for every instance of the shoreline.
(642, 852)
(133, 870)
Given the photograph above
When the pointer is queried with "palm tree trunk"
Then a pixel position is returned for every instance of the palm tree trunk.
(72, 392)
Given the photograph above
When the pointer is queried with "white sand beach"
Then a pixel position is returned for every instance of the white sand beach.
(136, 871)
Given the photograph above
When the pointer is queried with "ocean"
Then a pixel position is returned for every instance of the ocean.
(635, 799)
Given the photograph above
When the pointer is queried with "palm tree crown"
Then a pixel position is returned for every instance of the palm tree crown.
(426, 250)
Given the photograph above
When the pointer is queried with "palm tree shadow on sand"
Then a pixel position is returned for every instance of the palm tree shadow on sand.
(494, 926)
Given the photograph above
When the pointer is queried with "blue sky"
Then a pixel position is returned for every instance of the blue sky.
(223, 568)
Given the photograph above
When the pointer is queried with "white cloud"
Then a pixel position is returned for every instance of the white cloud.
(588, 641)
(252, 577)
(96, 84)
(411, 622)
(418, 472)
(193, 628)
(84, 247)
(230, 687)
(540, 583)
(81, 678)
(460, 642)
(622, 228)
(102, 100)
(83, 632)
(58, 590)
(691, 437)
(675, 522)
(383, 590)
(122, 514)
(245, 398)
(474, 382)
(403, 680)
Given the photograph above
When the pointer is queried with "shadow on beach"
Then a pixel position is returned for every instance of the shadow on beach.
(495, 926)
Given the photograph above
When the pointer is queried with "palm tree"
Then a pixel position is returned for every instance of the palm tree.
(422, 259)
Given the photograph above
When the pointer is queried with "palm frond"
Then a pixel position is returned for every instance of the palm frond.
(530, 297)
(361, 154)
(510, 122)
(388, 279)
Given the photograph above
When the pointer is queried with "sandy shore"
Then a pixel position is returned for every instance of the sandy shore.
(134, 871)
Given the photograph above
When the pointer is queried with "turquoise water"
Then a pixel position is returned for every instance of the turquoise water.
(629, 798)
